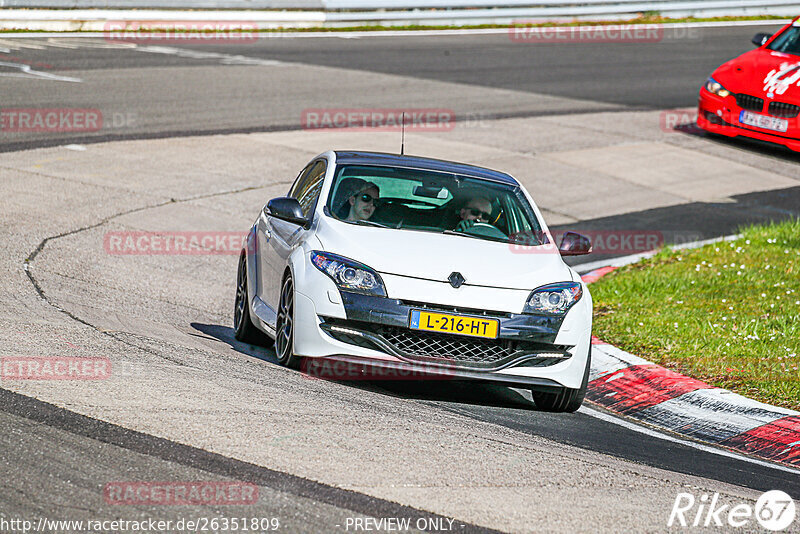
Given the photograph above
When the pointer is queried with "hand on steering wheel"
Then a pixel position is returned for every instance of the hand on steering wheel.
(464, 225)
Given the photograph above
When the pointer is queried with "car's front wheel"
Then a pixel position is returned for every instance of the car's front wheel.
(565, 399)
(284, 331)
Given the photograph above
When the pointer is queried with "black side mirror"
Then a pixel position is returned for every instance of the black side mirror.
(573, 244)
(287, 209)
(760, 38)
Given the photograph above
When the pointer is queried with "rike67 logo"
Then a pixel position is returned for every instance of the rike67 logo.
(774, 510)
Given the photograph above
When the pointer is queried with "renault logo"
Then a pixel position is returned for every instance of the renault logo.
(456, 280)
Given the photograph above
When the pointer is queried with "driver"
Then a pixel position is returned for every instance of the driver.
(363, 202)
(477, 210)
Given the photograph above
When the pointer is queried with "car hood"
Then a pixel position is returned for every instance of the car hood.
(433, 256)
(762, 71)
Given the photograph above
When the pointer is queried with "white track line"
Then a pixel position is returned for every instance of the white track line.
(25, 71)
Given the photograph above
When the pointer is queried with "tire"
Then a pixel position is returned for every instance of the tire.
(567, 400)
(243, 327)
(284, 326)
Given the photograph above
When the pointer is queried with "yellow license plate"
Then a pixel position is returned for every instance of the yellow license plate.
(454, 324)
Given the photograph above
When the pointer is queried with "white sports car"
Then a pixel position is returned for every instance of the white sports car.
(440, 269)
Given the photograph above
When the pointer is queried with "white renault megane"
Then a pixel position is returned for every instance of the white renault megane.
(439, 268)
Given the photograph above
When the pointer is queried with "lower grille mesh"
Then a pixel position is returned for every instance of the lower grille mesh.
(447, 347)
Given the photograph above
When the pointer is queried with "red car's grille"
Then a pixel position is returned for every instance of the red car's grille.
(782, 109)
(749, 102)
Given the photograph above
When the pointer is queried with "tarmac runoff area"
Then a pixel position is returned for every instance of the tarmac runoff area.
(163, 321)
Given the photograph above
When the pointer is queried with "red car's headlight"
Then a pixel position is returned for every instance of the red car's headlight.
(713, 86)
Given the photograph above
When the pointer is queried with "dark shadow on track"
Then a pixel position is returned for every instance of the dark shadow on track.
(747, 144)
(683, 223)
(461, 392)
(225, 334)
(757, 146)
(454, 391)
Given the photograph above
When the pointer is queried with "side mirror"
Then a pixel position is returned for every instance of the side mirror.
(760, 38)
(287, 209)
(573, 244)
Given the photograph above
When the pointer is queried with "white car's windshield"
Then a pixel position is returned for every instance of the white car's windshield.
(402, 198)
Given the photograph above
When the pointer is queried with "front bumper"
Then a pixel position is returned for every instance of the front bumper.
(720, 115)
(345, 367)
(382, 324)
(375, 331)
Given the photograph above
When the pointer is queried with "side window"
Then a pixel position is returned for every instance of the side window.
(307, 187)
(300, 178)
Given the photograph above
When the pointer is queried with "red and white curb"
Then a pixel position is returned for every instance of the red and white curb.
(631, 386)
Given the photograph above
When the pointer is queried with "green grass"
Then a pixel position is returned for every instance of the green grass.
(726, 313)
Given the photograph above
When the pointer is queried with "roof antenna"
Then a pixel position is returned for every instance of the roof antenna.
(403, 135)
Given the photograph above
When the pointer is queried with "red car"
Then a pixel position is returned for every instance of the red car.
(758, 93)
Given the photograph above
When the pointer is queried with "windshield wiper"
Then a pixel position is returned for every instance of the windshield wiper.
(453, 232)
(481, 237)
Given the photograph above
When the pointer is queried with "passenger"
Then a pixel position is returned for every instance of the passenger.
(363, 202)
(477, 210)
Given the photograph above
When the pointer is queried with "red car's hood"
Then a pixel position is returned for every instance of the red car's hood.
(759, 72)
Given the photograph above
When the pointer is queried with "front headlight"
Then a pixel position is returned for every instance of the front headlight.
(553, 298)
(713, 86)
(348, 274)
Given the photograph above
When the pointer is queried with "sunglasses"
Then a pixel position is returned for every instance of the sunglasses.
(478, 213)
(368, 198)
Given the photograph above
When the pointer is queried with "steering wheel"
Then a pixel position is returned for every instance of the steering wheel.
(485, 229)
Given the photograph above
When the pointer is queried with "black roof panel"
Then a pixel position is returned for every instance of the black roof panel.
(348, 157)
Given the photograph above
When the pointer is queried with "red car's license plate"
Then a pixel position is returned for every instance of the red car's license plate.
(763, 121)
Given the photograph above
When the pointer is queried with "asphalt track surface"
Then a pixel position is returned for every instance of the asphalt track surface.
(172, 95)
